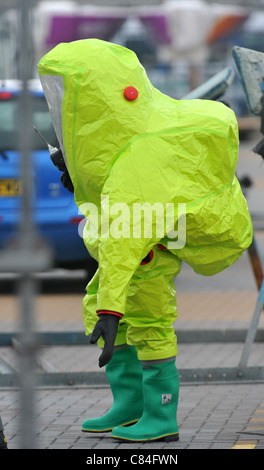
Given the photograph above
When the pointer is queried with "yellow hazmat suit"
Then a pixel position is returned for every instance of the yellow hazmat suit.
(155, 178)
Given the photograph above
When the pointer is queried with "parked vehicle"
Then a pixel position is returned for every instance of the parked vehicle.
(54, 210)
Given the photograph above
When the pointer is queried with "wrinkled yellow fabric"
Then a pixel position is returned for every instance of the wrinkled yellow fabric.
(154, 149)
(150, 308)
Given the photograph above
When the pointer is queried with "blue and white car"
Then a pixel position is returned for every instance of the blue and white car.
(55, 212)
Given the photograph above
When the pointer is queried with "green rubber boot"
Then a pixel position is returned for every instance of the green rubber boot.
(124, 373)
(159, 421)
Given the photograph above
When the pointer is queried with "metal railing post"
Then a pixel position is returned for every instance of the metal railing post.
(26, 285)
(26, 253)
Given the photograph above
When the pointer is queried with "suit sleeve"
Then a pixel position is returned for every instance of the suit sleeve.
(122, 242)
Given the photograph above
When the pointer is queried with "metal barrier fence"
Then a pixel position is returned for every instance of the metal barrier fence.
(26, 254)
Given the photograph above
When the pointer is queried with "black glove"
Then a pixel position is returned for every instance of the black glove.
(66, 181)
(107, 328)
(58, 160)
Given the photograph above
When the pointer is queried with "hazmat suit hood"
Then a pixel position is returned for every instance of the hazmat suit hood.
(90, 78)
(144, 148)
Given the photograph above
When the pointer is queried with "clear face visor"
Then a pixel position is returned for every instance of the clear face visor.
(53, 90)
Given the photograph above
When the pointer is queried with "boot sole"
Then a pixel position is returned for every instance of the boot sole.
(166, 438)
(109, 429)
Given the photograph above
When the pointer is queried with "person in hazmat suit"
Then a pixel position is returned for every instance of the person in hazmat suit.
(155, 179)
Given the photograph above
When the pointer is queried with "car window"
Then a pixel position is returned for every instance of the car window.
(9, 122)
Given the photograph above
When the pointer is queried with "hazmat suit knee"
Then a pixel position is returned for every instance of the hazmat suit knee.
(150, 307)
